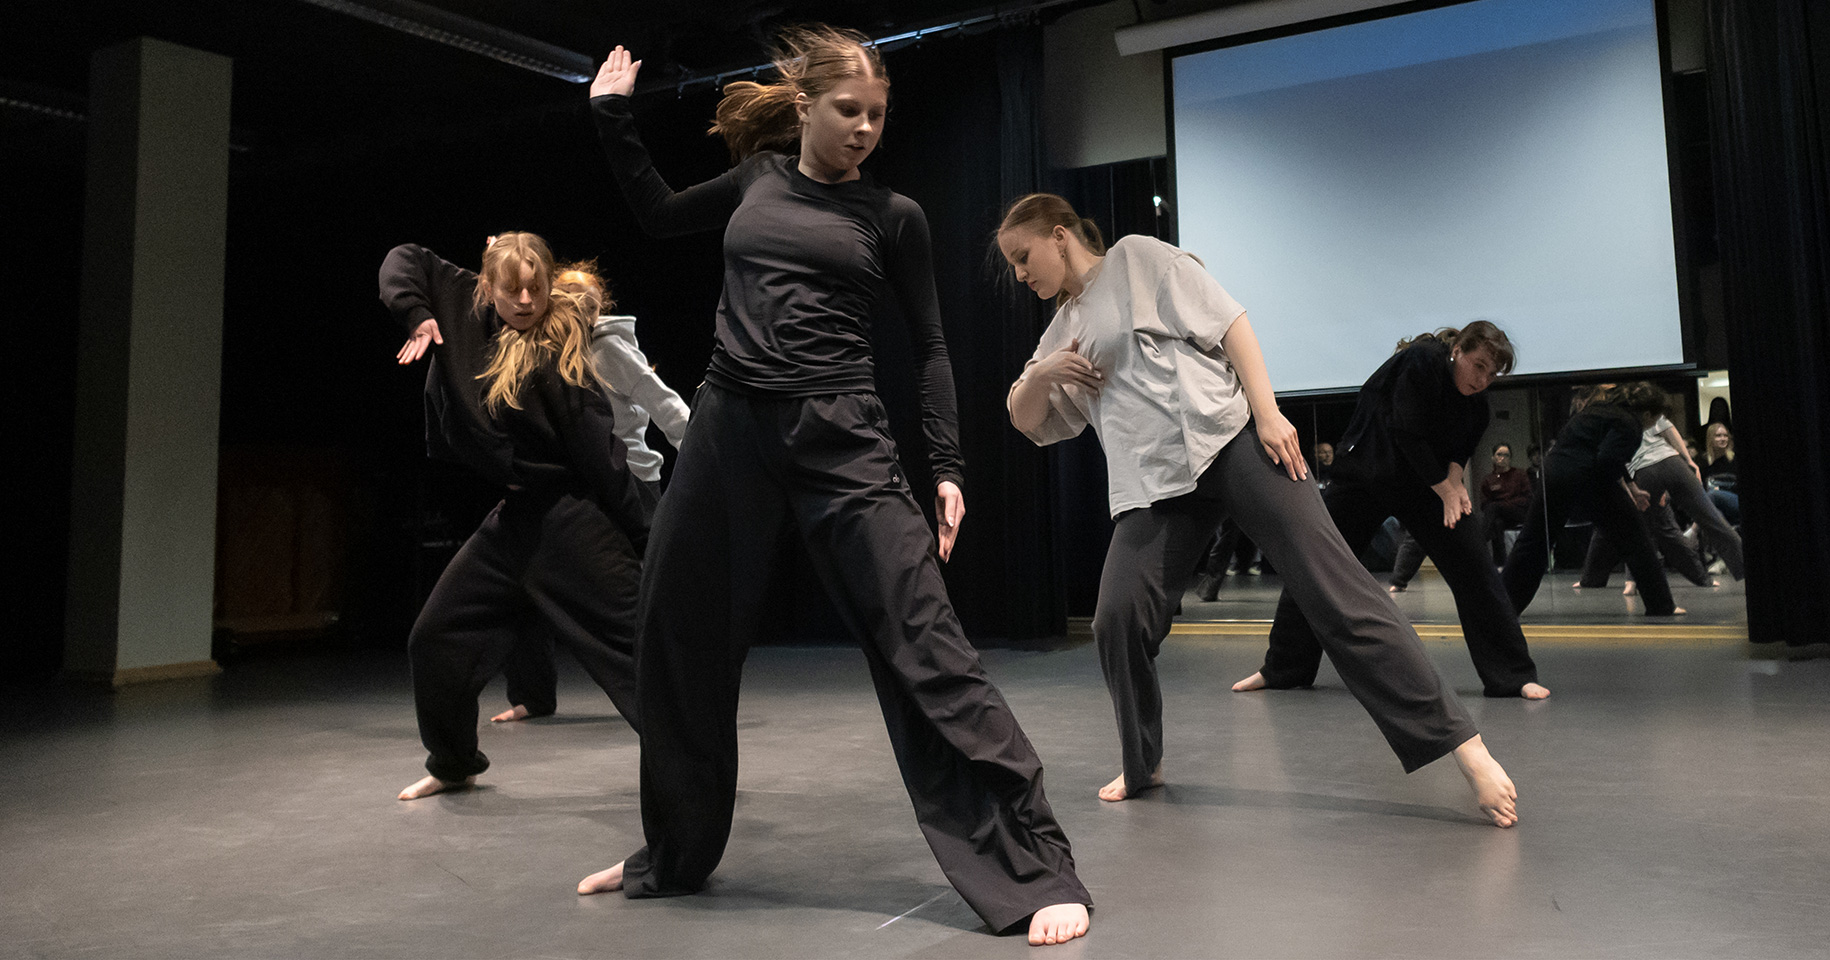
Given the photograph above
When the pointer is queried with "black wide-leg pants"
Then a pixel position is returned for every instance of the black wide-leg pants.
(1148, 565)
(544, 563)
(1462, 556)
(529, 673)
(752, 471)
(1567, 487)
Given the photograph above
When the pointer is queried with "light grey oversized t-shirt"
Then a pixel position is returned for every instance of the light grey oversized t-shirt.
(1150, 318)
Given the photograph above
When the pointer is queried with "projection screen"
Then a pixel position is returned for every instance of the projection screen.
(1497, 159)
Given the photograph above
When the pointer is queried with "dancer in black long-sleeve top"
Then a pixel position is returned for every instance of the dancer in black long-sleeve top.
(1587, 470)
(790, 439)
(1404, 454)
(511, 394)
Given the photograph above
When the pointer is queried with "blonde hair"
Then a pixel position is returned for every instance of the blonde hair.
(563, 332)
(810, 60)
(1041, 213)
(580, 277)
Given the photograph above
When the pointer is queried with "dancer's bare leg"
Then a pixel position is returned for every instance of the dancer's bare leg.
(1534, 691)
(604, 881)
(1493, 790)
(1058, 924)
(518, 712)
(427, 786)
(1253, 682)
(1115, 791)
(1630, 589)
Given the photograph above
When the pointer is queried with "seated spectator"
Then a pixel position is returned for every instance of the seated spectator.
(1324, 464)
(1719, 471)
(1505, 499)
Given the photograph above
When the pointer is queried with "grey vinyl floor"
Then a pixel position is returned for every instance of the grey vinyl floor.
(1674, 800)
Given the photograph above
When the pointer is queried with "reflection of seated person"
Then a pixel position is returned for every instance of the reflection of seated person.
(1505, 499)
(1324, 464)
(1719, 471)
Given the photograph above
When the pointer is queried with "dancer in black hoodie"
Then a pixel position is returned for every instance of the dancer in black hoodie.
(511, 394)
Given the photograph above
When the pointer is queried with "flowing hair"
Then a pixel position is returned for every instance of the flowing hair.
(811, 60)
(561, 335)
(1041, 213)
(1638, 396)
(1477, 334)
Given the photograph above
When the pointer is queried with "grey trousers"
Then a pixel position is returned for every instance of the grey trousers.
(1152, 557)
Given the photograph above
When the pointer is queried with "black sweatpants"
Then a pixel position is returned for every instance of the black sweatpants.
(1147, 567)
(1462, 556)
(552, 564)
(1568, 486)
(752, 471)
(531, 678)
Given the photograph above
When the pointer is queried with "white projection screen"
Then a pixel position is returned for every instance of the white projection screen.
(1498, 159)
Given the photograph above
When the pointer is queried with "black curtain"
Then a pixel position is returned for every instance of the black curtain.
(963, 140)
(1769, 64)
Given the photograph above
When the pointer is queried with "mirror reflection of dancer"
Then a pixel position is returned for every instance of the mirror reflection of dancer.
(1586, 470)
(636, 396)
(1147, 349)
(511, 394)
(790, 439)
(1417, 421)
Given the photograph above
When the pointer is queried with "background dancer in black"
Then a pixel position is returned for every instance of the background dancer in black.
(1586, 470)
(511, 394)
(1404, 455)
(636, 395)
(790, 439)
(1150, 351)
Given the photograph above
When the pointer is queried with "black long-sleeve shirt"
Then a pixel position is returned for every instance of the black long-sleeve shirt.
(805, 264)
(1601, 437)
(1411, 421)
(561, 439)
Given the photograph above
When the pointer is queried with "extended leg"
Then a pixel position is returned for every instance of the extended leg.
(974, 778)
(464, 632)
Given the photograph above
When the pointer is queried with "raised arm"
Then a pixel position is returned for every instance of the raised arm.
(412, 279)
(661, 211)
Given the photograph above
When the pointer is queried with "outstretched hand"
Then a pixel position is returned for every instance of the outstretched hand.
(949, 510)
(1281, 443)
(617, 75)
(424, 336)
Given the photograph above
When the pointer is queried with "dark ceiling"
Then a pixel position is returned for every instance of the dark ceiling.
(308, 78)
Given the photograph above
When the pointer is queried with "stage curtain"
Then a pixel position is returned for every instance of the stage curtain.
(1769, 91)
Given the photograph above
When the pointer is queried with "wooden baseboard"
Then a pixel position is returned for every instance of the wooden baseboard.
(133, 676)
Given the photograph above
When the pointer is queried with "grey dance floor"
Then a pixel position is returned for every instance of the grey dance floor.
(1674, 802)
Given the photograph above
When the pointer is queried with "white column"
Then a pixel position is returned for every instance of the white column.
(149, 367)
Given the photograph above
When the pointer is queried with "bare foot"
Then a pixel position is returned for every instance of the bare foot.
(1058, 924)
(427, 786)
(1253, 682)
(1393, 588)
(1629, 590)
(1534, 691)
(1115, 791)
(1675, 612)
(1493, 790)
(518, 712)
(1576, 586)
(604, 881)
